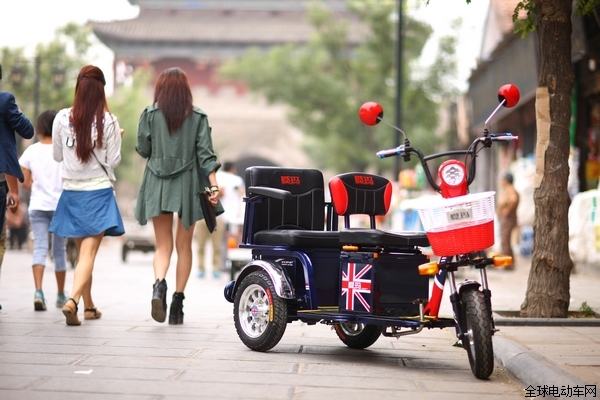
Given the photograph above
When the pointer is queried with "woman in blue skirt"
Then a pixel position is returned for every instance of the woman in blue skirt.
(87, 139)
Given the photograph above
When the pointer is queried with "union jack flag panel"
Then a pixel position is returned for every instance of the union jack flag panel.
(357, 284)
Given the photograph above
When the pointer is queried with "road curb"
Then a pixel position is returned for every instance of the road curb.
(529, 368)
(516, 321)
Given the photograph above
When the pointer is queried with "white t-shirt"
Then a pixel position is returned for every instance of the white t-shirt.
(232, 186)
(46, 174)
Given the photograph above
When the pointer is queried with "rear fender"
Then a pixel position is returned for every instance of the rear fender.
(279, 276)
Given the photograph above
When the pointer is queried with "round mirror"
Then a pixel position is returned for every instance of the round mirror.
(370, 113)
(510, 94)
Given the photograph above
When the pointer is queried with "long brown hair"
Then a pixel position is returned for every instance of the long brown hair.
(88, 108)
(172, 95)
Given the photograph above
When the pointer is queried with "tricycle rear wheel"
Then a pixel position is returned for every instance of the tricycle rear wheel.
(260, 315)
(357, 335)
(477, 338)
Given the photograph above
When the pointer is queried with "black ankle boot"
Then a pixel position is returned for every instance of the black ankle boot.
(176, 314)
(159, 301)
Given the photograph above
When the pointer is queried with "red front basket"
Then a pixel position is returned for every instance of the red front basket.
(462, 240)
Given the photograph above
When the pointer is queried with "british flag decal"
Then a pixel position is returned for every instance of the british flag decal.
(356, 286)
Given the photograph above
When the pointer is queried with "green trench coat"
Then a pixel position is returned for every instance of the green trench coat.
(177, 168)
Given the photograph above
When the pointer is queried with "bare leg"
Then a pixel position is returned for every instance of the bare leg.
(87, 294)
(38, 276)
(163, 233)
(82, 282)
(184, 255)
(60, 281)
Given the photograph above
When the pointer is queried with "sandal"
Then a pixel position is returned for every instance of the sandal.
(91, 313)
(71, 314)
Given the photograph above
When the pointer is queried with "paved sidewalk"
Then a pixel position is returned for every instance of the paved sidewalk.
(127, 355)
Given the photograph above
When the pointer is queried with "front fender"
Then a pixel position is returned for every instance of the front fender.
(279, 276)
(468, 284)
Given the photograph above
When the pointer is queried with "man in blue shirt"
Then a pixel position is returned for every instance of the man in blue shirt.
(11, 120)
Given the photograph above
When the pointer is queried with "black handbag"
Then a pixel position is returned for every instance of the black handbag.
(209, 212)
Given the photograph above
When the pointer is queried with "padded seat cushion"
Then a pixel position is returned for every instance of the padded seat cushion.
(297, 238)
(378, 237)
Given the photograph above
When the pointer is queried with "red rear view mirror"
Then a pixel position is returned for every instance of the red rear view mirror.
(370, 113)
(510, 94)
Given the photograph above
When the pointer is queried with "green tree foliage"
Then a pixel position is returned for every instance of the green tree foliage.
(531, 8)
(327, 80)
(69, 50)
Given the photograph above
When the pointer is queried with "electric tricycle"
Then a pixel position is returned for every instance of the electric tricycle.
(367, 282)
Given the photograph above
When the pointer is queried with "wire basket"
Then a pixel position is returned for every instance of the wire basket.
(459, 225)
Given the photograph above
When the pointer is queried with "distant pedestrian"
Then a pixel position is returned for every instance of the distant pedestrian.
(17, 224)
(231, 189)
(508, 201)
(87, 139)
(175, 137)
(11, 120)
(43, 178)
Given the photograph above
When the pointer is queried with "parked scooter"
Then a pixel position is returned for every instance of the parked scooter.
(367, 282)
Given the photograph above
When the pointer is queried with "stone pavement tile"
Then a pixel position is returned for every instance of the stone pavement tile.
(33, 339)
(40, 359)
(154, 342)
(474, 388)
(72, 371)
(191, 364)
(585, 332)
(443, 372)
(16, 328)
(312, 393)
(263, 389)
(299, 379)
(18, 382)
(40, 395)
(105, 350)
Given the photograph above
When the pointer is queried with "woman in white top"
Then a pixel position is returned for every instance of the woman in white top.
(43, 179)
(87, 139)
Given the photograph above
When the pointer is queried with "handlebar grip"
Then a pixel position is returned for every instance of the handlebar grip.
(503, 136)
(397, 151)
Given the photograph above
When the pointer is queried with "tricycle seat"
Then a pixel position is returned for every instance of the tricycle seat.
(298, 238)
(361, 193)
(286, 207)
(379, 237)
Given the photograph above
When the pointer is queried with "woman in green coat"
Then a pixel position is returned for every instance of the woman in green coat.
(175, 137)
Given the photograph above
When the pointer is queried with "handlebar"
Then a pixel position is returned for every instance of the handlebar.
(486, 141)
(397, 151)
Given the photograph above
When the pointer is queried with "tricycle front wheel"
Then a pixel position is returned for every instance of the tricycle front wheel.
(260, 315)
(477, 333)
(356, 335)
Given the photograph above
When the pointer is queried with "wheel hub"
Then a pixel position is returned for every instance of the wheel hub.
(254, 311)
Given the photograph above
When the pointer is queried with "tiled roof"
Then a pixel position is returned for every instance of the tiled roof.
(214, 27)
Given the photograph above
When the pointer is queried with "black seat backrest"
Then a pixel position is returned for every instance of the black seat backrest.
(306, 208)
(360, 193)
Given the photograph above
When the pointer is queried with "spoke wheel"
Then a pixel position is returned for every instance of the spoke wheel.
(478, 335)
(260, 315)
(357, 335)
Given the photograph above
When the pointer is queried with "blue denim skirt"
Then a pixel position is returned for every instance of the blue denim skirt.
(87, 213)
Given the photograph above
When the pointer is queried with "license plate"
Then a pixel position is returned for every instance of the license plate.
(459, 215)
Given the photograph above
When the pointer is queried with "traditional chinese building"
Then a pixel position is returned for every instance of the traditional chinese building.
(199, 36)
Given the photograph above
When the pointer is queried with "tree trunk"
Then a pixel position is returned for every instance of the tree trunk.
(548, 285)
